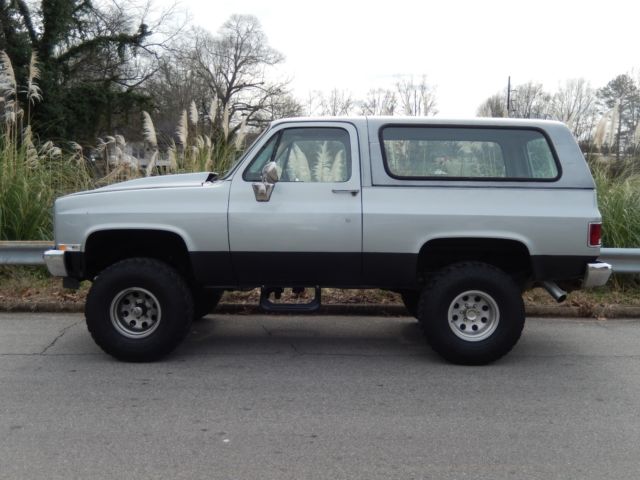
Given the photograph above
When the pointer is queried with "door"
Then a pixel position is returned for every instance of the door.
(310, 230)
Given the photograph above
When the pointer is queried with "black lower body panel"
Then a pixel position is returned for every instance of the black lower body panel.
(213, 268)
(298, 268)
(394, 271)
(349, 270)
(559, 267)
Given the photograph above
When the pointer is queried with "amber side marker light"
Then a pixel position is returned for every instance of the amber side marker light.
(68, 247)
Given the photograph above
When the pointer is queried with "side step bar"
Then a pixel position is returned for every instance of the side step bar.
(269, 306)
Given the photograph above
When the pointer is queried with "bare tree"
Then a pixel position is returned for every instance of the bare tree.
(529, 100)
(379, 101)
(336, 103)
(283, 106)
(237, 68)
(494, 106)
(312, 104)
(621, 96)
(172, 89)
(575, 104)
(406, 98)
(416, 99)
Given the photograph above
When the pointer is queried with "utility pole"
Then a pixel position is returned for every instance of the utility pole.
(509, 96)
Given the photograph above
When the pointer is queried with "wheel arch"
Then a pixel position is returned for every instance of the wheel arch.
(107, 246)
(509, 255)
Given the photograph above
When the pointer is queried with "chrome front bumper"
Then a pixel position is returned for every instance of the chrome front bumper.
(54, 259)
(596, 275)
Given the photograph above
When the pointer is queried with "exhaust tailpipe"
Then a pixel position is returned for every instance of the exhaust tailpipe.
(555, 291)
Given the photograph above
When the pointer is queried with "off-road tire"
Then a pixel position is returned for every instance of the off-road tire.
(411, 299)
(157, 281)
(490, 295)
(205, 301)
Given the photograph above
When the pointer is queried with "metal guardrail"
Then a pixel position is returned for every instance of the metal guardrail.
(623, 260)
(23, 253)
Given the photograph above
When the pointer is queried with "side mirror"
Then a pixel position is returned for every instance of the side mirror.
(270, 173)
(262, 190)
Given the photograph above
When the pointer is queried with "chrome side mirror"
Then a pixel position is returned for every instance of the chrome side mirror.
(262, 190)
(270, 173)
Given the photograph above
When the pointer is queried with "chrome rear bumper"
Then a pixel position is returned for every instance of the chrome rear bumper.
(596, 275)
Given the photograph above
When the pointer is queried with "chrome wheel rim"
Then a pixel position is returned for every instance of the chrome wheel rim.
(473, 315)
(135, 312)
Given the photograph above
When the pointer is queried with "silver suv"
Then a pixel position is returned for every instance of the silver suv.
(459, 217)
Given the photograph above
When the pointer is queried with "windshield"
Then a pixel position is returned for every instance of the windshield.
(239, 160)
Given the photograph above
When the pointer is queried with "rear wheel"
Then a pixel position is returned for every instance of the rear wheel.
(471, 313)
(139, 309)
(411, 298)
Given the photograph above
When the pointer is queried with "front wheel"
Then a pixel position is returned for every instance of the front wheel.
(139, 309)
(471, 313)
(205, 301)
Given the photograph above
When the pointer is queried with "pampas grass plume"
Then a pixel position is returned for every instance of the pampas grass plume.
(193, 113)
(34, 94)
(225, 122)
(149, 130)
(8, 76)
(242, 133)
(182, 131)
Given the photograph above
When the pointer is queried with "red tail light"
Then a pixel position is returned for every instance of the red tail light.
(595, 234)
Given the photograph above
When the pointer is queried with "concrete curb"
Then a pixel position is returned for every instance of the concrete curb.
(385, 310)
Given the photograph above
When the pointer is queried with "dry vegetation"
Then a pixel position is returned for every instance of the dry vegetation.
(33, 174)
(20, 286)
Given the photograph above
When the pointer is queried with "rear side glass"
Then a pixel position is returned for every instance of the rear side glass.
(422, 152)
(540, 157)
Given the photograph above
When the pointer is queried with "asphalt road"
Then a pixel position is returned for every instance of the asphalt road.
(263, 397)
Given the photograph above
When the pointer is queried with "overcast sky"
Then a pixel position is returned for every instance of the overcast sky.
(467, 49)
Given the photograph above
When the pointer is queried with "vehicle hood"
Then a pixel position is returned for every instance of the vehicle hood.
(160, 181)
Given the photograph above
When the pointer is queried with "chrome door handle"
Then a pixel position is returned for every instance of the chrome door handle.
(352, 192)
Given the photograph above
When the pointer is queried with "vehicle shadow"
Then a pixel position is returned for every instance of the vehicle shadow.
(305, 335)
(360, 336)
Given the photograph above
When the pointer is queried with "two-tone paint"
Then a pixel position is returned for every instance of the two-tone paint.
(366, 232)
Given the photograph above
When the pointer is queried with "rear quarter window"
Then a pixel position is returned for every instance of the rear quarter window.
(426, 152)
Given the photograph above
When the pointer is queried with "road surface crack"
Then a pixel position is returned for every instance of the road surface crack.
(269, 334)
(60, 335)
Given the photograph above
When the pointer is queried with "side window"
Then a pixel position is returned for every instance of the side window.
(254, 172)
(425, 152)
(541, 162)
(306, 155)
(445, 158)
